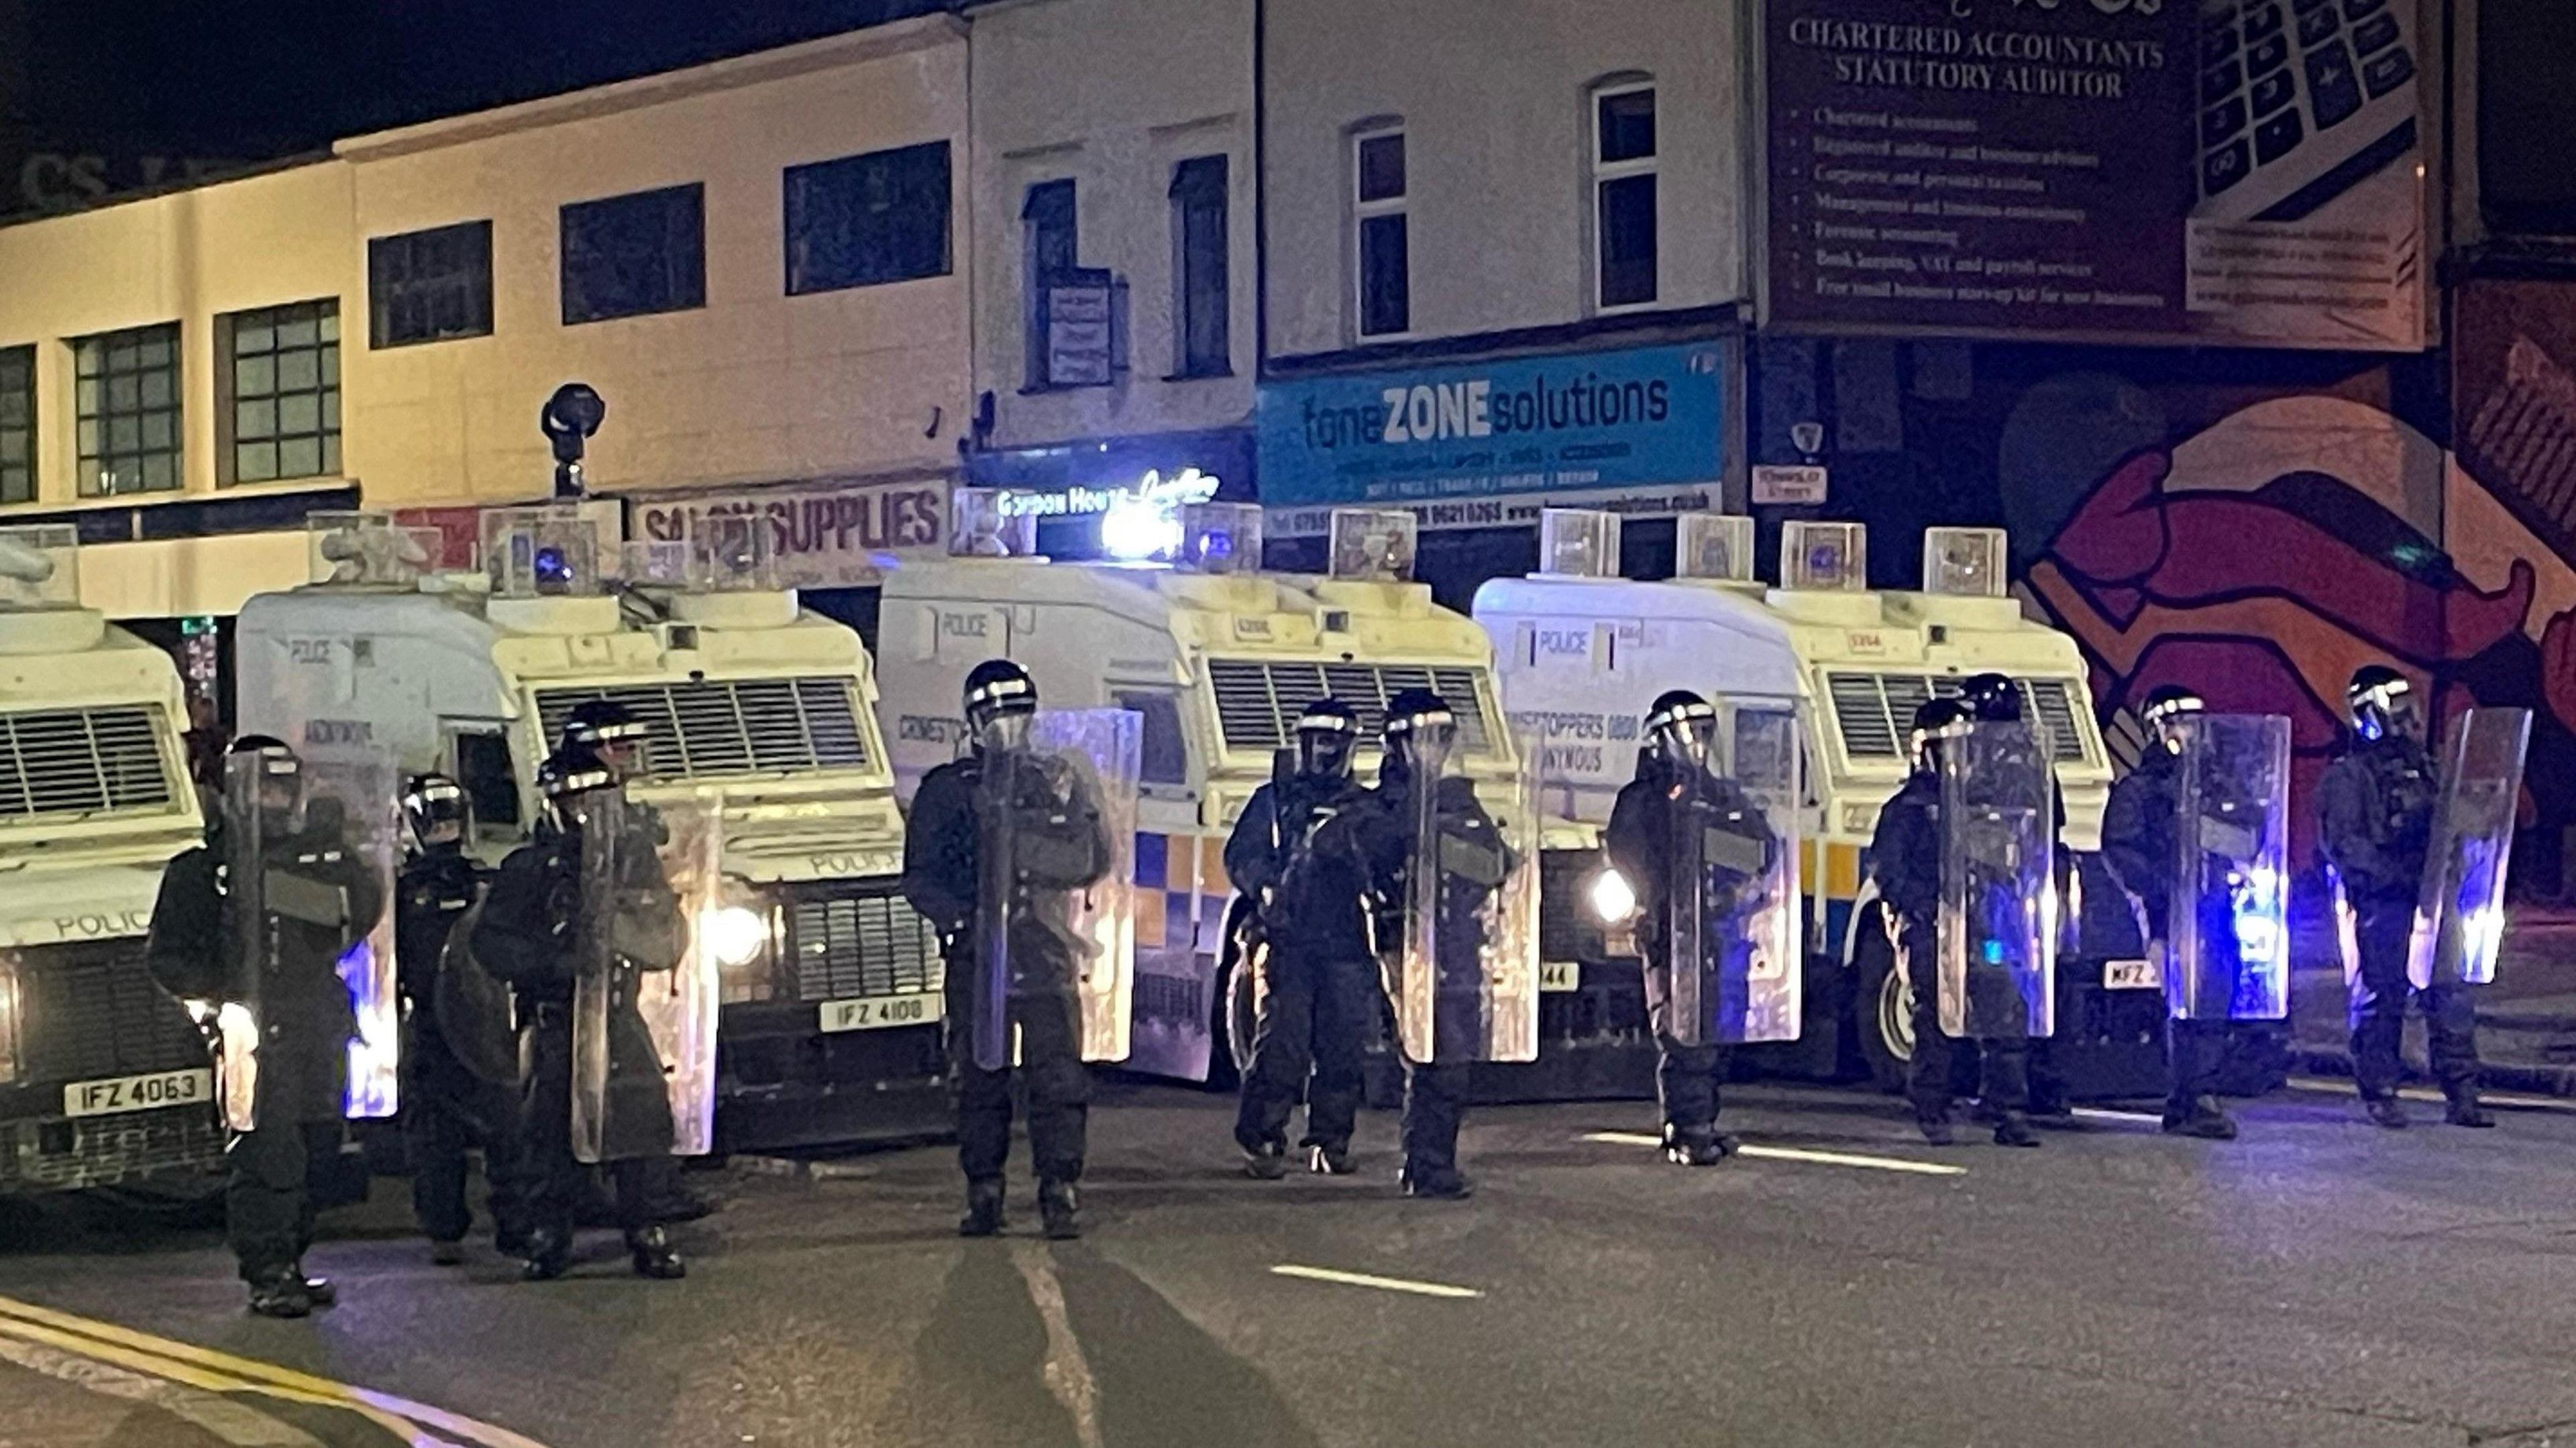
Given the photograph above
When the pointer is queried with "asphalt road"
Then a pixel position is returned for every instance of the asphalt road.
(2318, 1282)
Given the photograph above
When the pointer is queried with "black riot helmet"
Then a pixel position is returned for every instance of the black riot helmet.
(1934, 721)
(2164, 706)
(610, 732)
(1682, 726)
(567, 775)
(1993, 698)
(434, 814)
(2383, 704)
(1001, 698)
(277, 773)
(1328, 734)
(1419, 728)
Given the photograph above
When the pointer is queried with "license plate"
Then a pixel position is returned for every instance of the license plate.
(139, 1093)
(1560, 975)
(875, 1013)
(2131, 975)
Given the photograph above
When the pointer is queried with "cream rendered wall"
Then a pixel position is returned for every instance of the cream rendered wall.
(756, 385)
(1114, 94)
(188, 257)
(1494, 99)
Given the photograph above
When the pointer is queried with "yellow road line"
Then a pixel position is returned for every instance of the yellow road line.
(233, 1423)
(144, 1362)
(172, 1359)
(1798, 1154)
(1365, 1279)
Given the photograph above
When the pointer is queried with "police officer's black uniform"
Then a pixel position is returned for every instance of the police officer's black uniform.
(1905, 861)
(2138, 841)
(448, 1106)
(306, 1022)
(942, 880)
(1997, 699)
(1319, 999)
(2374, 823)
(1674, 773)
(527, 935)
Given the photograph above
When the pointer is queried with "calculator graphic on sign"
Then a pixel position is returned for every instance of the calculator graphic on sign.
(2299, 101)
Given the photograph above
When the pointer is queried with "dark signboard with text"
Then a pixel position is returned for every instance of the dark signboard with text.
(2242, 170)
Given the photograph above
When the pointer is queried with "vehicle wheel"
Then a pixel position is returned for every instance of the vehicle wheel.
(1883, 1011)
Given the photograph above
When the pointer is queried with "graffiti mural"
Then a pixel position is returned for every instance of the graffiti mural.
(2257, 527)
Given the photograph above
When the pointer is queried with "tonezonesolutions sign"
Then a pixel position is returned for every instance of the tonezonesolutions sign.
(1488, 443)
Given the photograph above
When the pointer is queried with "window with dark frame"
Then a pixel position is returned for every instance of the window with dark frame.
(1383, 251)
(1623, 174)
(1165, 753)
(125, 404)
(18, 424)
(867, 220)
(430, 286)
(1202, 298)
(1050, 253)
(632, 255)
(279, 384)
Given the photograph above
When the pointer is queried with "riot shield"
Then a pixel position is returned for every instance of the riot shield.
(645, 987)
(1732, 895)
(1465, 983)
(1055, 918)
(1997, 924)
(309, 867)
(364, 790)
(2227, 935)
(2460, 913)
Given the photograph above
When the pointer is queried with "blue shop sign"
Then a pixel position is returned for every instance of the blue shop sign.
(1648, 417)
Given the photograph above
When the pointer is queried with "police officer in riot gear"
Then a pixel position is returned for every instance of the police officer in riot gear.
(610, 733)
(2374, 822)
(1905, 862)
(529, 935)
(448, 1105)
(1435, 1092)
(1678, 770)
(1319, 1001)
(286, 981)
(2138, 840)
(944, 880)
(1997, 699)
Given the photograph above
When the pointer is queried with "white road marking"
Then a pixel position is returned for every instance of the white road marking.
(233, 1423)
(1067, 1371)
(2514, 1100)
(2104, 1113)
(410, 1422)
(1798, 1153)
(1364, 1279)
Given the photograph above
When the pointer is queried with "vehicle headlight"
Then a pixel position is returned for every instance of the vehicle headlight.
(10, 1068)
(736, 935)
(1614, 900)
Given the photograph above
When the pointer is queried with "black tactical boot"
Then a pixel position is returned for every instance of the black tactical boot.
(549, 1255)
(1327, 1160)
(2464, 1109)
(1700, 1147)
(2014, 1130)
(654, 1257)
(2199, 1117)
(1267, 1162)
(1438, 1183)
(281, 1294)
(447, 1254)
(1059, 1211)
(983, 1209)
(2386, 1111)
(1934, 1123)
(317, 1288)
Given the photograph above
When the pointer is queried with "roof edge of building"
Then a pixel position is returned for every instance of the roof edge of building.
(877, 42)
